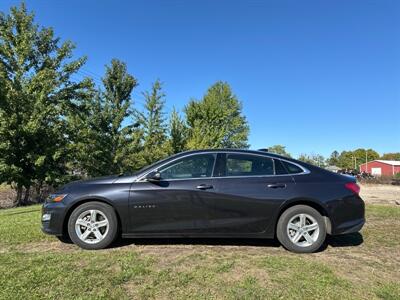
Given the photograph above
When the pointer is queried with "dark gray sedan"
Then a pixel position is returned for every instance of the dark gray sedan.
(210, 193)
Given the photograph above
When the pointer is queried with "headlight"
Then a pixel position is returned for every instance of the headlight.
(56, 197)
(46, 217)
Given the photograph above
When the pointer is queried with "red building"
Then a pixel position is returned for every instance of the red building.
(381, 167)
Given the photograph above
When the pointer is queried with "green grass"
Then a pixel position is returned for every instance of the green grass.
(21, 225)
(36, 266)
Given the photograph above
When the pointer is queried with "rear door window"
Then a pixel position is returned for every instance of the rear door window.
(248, 165)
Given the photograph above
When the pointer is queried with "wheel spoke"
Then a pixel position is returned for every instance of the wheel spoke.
(308, 237)
(302, 220)
(296, 237)
(98, 235)
(293, 226)
(101, 223)
(93, 215)
(310, 227)
(81, 222)
(85, 235)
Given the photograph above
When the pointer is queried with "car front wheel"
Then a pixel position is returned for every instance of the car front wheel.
(93, 225)
(301, 229)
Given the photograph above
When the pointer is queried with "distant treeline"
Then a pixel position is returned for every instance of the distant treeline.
(344, 160)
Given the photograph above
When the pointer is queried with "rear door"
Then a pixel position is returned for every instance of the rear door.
(249, 190)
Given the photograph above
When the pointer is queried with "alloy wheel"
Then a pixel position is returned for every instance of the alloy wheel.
(92, 226)
(303, 230)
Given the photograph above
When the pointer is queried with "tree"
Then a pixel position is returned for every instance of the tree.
(362, 155)
(216, 121)
(37, 93)
(353, 159)
(334, 158)
(104, 131)
(152, 122)
(313, 158)
(177, 133)
(346, 160)
(279, 149)
(391, 156)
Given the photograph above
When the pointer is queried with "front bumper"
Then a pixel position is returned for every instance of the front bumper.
(56, 211)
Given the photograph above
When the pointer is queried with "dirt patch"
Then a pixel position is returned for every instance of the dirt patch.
(7, 196)
(380, 194)
(53, 247)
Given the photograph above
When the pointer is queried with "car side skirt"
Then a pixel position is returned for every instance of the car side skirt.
(197, 235)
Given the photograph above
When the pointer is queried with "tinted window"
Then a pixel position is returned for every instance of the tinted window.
(194, 166)
(279, 168)
(242, 165)
(291, 168)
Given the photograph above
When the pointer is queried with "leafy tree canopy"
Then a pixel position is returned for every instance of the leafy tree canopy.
(313, 158)
(391, 156)
(216, 121)
(102, 133)
(153, 124)
(279, 149)
(353, 159)
(177, 133)
(37, 93)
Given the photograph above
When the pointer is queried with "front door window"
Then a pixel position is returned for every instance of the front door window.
(189, 167)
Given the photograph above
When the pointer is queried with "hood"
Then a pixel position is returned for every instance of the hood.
(101, 180)
(98, 180)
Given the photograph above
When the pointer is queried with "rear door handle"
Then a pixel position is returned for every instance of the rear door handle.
(204, 187)
(276, 186)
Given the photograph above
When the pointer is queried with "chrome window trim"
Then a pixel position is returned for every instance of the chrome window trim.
(305, 170)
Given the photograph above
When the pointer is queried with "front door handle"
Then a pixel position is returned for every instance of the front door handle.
(276, 186)
(204, 187)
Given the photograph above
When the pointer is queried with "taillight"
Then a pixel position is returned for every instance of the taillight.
(354, 187)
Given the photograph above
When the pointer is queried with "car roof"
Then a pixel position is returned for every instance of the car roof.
(234, 150)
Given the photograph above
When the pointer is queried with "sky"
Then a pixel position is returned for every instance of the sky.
(315, 76)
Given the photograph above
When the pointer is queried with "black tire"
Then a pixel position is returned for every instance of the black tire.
(109, 236)
(64, 239)
(283, 234)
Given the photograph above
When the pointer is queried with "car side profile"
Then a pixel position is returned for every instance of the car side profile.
(209, 193)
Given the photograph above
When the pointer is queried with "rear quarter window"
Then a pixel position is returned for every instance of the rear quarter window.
(292, 168)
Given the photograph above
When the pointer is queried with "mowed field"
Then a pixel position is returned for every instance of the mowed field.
(356, 266)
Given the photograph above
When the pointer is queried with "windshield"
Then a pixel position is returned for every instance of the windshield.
(145, 168)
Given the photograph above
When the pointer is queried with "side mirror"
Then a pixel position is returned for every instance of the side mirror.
(153, 176)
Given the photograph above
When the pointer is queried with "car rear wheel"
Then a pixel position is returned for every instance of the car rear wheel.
(93, 225)
(301, 229)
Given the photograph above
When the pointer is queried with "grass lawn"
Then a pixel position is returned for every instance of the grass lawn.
(33, 265)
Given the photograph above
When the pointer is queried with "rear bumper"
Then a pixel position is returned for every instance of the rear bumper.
(350, 227)
(55, 225)
(347, 215)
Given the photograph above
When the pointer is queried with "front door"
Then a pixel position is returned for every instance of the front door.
(178, 204)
